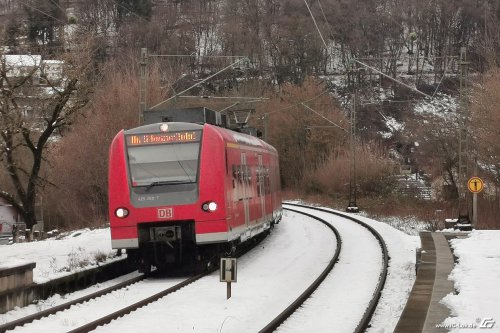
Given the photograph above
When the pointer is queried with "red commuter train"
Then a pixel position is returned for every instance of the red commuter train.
(180, 192)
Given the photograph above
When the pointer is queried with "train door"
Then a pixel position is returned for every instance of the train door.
(261, 190)
(246, 190)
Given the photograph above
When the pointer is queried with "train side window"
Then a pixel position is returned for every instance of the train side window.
(236, 173)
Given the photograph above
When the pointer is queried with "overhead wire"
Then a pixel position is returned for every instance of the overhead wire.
(325, 118)
(299, 103)
(316, 25)
(57, 5)
(365, 65)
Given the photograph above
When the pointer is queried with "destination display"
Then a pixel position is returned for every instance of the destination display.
(161, 138)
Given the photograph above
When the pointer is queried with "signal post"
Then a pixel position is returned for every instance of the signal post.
(228, 273)
(475, 186)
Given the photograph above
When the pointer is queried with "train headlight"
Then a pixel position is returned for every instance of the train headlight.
(209, 206)
(121, 213)
(164, 127)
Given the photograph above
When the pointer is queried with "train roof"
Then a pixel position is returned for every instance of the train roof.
(241, 138)
(173, 127)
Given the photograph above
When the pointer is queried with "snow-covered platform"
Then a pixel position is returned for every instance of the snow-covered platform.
(423, 311)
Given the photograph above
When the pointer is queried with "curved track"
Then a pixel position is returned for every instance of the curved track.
(274, 324)
(295, 308)
(370, 309)
(270, 278)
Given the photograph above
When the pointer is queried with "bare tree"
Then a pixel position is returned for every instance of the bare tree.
(36, 105)
(98, 16)
(437, 151)
(44, 22)
(298, 130)
(82, 201)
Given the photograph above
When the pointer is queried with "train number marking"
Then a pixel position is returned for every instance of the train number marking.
(148, 198)
(165, 213)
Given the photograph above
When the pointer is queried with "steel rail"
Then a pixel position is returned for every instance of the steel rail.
(276, 322)
(370, 310)
(47, 312)
(241, 250)
(124, 311)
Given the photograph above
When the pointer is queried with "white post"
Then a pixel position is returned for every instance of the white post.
(474, 210)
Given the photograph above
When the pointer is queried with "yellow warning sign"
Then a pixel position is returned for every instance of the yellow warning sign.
(475, 184)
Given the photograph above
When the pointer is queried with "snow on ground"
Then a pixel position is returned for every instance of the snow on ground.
(54, 258)
(442, 105)
(401, 274)
(269, 278)
(409, 225)
(477, 279)
(281, 265)
(340, 301)
(278, 267)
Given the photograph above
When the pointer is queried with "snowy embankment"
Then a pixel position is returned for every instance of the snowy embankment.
(400, 278)
(477, 278)
(54, 258)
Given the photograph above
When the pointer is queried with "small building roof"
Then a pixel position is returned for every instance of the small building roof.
(18, 60)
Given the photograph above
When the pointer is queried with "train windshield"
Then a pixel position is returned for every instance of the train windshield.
(164, 163)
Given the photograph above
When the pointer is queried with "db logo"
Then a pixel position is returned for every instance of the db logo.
(165, 213)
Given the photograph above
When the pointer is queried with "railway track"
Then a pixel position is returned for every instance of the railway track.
(126, 310)
(122, 311)
(275, 323)
(364, 322)
(200, 308)
(53, 310)
(283, 317)
(127, 286)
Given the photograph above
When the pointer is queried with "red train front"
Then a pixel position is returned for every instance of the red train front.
(183, 191)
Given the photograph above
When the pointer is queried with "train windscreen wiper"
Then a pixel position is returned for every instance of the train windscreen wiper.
(166, 182)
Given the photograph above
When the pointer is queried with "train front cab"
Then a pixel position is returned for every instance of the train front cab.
(221, 197)
(155, 197)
